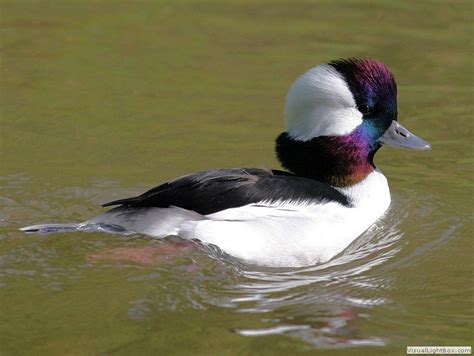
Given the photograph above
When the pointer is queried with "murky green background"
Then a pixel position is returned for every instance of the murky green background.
(104, 99)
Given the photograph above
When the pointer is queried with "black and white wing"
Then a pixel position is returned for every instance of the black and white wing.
(212, 191)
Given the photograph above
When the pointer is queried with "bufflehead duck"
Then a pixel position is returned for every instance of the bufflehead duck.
(337, 117)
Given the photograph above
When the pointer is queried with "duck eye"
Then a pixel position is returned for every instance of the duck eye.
(365, 109)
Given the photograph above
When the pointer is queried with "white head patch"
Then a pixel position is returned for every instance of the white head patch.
(319, 103)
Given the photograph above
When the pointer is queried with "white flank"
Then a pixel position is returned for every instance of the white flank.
(294, 234)
(279, 235)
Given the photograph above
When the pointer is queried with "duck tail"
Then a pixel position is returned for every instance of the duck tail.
(51, 228)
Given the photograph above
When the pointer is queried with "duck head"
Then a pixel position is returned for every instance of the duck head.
(337, 116)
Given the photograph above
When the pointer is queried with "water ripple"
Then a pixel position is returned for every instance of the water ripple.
(322, 304)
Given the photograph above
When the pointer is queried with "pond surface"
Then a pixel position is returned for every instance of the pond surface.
(104, 99)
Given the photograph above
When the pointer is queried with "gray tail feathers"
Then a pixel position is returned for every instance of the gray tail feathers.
(51, 228)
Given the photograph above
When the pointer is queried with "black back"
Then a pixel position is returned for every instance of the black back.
(212, 191)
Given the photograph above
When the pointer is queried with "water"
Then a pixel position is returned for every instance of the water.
(103, 100)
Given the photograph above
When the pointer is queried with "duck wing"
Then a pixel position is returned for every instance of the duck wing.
(212, 191)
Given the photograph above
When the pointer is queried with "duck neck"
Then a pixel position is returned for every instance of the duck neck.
(339, 161)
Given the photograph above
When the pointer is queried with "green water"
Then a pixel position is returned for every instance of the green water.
(104, 99)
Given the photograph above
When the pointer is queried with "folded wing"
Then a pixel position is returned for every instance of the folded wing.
(212, 191)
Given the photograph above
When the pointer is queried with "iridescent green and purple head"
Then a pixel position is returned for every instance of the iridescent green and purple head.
(338, 115)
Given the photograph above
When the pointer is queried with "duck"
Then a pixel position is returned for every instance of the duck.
(338, 115)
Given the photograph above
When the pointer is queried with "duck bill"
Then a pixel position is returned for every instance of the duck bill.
(398, 136)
